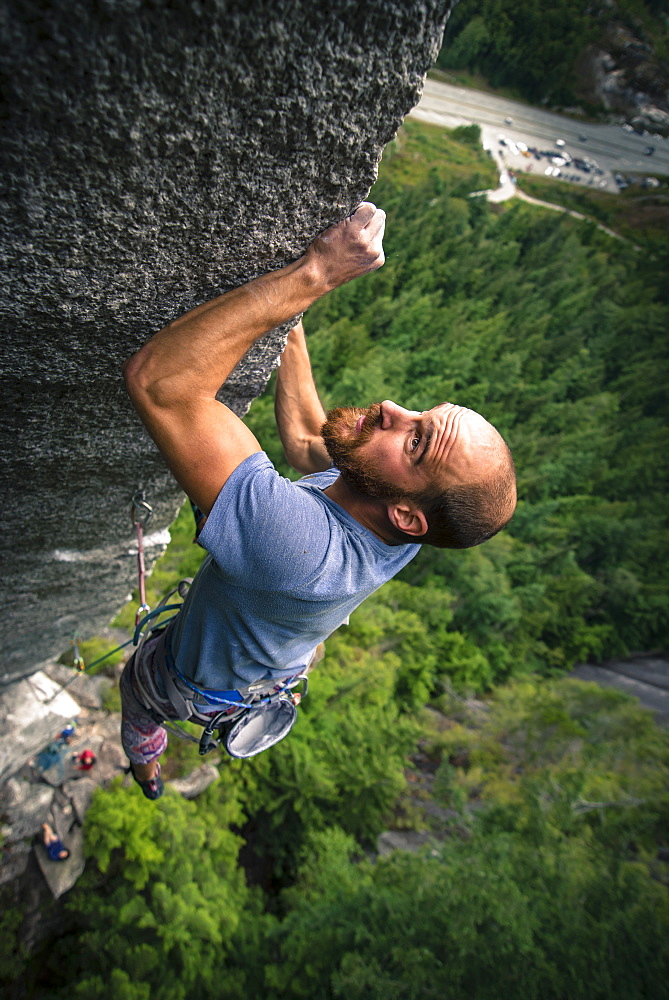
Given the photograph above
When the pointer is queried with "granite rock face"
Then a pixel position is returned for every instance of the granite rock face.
(155, 155)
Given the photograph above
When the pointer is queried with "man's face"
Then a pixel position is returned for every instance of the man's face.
(389, 452)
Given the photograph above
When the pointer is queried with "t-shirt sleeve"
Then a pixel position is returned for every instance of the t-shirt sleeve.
(265, 530)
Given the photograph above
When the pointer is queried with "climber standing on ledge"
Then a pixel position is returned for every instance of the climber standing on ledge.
(288, 562)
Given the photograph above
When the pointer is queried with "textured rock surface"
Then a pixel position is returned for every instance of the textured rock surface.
(627, 76)
(62, 875)
(155, 155)
(59, 795)
(402, 840)
(32, 712)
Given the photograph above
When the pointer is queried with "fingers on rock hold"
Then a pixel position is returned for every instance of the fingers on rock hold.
(364, 214)
(376, 226)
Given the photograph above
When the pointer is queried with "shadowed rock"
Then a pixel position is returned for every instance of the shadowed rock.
(196, 782)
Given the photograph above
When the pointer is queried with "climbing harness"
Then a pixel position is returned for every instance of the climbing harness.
(248, 720)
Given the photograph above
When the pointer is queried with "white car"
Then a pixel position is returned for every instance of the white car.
(559, 142)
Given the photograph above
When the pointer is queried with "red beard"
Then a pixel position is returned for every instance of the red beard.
(342, 442)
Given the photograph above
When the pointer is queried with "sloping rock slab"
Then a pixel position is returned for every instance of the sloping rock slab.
(196, 782)
(402, 840)
(31, 717)
(24, 807)
(88, 690)
(80, 792)
(649, 695)
(62, 875)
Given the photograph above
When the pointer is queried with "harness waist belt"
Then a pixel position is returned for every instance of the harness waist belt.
(213, 698)
(181, 692)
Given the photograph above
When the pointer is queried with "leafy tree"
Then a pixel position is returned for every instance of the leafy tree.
(537, 888)
(158, 906)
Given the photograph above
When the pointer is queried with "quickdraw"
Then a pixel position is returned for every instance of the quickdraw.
(77, 658)
(141, 513)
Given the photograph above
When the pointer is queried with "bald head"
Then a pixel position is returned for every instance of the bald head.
(449, 462)
(472, 495)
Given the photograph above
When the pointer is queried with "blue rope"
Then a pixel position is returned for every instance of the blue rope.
(152, 614)
(101, 659)
(135, 640)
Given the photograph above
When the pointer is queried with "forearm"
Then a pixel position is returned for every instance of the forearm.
(190, 359)
(195, 354)
(298, 409)
(174, 378)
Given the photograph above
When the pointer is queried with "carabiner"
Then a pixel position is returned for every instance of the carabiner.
(77, 658)
(141, 512)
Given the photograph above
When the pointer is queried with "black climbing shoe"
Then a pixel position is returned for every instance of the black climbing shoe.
(153, 788)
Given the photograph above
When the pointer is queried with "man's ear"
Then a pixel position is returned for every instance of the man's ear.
(407, 518)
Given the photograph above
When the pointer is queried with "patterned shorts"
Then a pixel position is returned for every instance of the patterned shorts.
(142, 737)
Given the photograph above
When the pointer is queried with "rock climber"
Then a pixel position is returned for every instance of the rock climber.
(55, 848)
(288, 561)
(67, 733)
(85, 760)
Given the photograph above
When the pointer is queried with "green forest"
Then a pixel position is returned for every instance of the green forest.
(443, 710)
(536, 50)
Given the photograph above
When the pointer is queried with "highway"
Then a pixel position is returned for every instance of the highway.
(613, 149)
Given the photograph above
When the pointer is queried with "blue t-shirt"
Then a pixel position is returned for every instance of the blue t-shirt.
(54, 849)
(286, 566)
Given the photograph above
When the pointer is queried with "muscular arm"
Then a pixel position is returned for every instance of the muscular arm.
(299, 412)
(174, 378)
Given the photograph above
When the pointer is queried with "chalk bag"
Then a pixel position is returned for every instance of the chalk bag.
(259, 728)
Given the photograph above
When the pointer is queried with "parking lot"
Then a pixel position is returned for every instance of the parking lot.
(524, 138)
(570, 163)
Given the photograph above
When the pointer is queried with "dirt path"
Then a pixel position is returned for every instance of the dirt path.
(569, 211)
